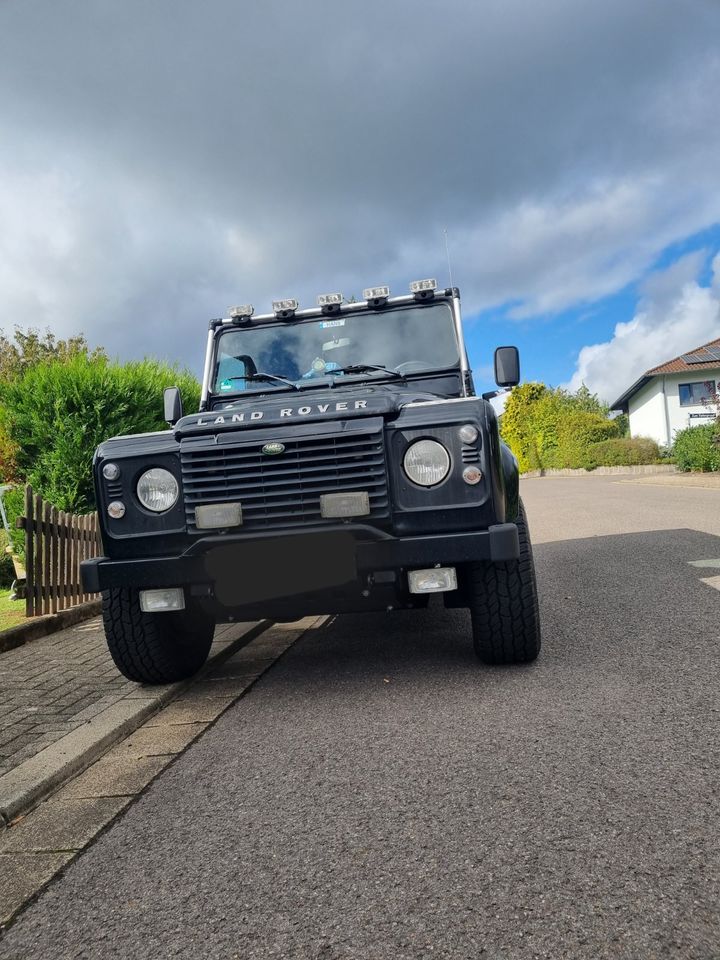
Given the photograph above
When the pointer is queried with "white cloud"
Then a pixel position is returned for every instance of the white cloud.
(675, 315)
(547, 254)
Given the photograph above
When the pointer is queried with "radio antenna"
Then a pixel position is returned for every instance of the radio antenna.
(447, 254)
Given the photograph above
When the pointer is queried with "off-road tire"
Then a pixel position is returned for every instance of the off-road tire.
(504, 606)
(154, 647)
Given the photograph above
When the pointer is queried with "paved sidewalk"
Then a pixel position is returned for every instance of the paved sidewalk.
(51, 686)
(62, 696)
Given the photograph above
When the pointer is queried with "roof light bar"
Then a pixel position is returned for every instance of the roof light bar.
(376, 294)
(422, 286)
(285, 308)
(329, 299)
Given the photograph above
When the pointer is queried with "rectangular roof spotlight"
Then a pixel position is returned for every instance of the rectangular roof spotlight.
(376, 293)
(329, 299)
(423, 286)
(243, 312)
(285, 308)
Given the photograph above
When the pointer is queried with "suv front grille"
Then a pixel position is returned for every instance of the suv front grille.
(284, 490)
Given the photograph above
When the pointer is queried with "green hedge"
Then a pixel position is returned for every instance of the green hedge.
(578, 432)
(621, 452)
(695, 449)
(57, 412)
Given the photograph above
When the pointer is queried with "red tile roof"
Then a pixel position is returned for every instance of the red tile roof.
(678, 365)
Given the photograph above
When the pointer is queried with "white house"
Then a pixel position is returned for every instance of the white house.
(670, 397)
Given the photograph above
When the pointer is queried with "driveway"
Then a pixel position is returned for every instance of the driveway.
(379, 794)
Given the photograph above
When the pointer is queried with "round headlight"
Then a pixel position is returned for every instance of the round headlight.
(158, 490)
(426, 462)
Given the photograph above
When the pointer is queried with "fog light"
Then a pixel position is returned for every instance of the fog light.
(472, 475)
(345, 504)
(436, 580)
(157, 601)
(116, 509)
(213, 515)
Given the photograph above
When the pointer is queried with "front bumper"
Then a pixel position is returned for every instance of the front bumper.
(373, 551)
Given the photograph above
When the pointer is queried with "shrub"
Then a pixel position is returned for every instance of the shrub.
(579, 430)
(547, 427)
(57, 412)
(622, 421)
(14, 503)
(7, 570)
(695, 449)
(621, 452)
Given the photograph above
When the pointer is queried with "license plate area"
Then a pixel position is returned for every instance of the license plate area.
(257, 570)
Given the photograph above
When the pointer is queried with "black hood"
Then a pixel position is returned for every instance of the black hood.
(303, 406)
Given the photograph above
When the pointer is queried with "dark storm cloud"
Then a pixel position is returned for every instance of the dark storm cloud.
(161, 161)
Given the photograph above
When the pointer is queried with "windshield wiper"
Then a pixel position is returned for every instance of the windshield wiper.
(266, 378)
(366, 368)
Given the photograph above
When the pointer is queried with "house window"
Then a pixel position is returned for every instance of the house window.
(693, 394)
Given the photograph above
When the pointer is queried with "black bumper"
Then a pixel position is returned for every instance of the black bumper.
(373, 551)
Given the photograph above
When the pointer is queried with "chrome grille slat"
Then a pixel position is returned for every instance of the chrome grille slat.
(284, 490)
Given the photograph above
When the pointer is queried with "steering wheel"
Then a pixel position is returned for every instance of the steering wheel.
(412, 366)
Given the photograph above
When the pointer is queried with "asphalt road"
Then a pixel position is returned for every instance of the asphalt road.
(379, 794)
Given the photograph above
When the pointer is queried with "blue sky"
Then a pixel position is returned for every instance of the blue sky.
(163, 161)
(549, 345)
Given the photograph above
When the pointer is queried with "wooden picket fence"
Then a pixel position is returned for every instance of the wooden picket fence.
(55, 543)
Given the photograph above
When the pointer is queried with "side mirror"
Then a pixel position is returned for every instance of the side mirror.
(507, 366)
(173, 405)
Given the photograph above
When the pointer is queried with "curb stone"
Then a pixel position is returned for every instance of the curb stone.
(31, 781)
(601, 471)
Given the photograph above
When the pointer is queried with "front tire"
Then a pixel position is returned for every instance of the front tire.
(155, 647)
(504, 605)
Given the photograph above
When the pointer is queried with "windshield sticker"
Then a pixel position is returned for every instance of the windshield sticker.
(324, 324)
(226, 385)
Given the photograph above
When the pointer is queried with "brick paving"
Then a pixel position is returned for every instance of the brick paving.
(53, 685)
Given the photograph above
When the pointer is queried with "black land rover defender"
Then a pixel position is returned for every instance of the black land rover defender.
(340, 462)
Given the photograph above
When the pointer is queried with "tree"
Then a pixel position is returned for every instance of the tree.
(582, 399)
(27, 348)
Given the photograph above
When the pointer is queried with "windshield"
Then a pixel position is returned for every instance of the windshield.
(404, 341)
